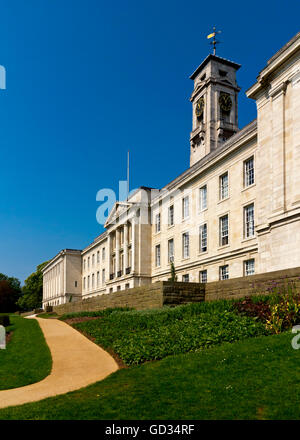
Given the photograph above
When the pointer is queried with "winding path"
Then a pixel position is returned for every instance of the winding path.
(76, 363)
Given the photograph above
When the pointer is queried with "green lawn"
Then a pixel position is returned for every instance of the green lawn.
(27, 358)
(258, 378)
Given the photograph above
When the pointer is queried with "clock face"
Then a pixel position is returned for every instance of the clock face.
(225, 102)
(199, 107)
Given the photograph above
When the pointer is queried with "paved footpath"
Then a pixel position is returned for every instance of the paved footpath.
(76, 363)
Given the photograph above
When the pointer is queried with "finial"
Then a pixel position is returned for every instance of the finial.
(214, 42)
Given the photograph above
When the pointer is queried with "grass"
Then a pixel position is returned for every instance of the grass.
(139, 336)
(47, 315)
(27, 358)
(258, 378)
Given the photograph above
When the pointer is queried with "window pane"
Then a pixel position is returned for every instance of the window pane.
(157, 255)
(224, 273)
(249, 267)
(203, 276)
(171, 215)
(171, 250)
(249, 221)
(203, 197)
(185, 207)
(203, 238)
(249, 172)
(185, 242)
(224, 230)
(224, 186)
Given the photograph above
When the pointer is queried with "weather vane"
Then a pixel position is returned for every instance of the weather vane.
(214, 42)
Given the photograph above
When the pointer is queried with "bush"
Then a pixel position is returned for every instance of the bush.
(139, 336)
(4, 320)
(96, 313)
(279, 310)
(251, 307)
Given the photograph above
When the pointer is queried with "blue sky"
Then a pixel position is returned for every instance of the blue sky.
(89, 79)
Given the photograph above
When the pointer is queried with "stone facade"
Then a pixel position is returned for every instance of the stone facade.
(234, 212)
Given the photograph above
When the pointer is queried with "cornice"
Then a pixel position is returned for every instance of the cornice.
(289, 50)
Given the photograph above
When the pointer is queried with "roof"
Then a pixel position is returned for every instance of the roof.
(213, 154)
(211, 57)
(60, 253)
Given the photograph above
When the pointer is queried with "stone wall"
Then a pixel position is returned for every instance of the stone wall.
(147, 297)
(171, 294)
(181, 293)
(254, 284)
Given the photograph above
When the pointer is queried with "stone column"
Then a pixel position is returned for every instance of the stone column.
(125, 247)
(117, 251)
(133, 245)
(108, 256)
(278, 150)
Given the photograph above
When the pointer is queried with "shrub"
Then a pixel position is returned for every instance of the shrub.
(279, 310)
(4, 320)
(139, 336)
(96, 313)
(250, 307)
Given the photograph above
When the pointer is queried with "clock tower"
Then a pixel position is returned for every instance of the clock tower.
(214, 101)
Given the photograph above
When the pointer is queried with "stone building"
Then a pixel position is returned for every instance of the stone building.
(235, 212)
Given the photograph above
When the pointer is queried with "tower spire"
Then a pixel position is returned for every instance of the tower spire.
(214, 42)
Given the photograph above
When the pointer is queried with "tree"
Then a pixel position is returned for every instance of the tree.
(173, 272)
(10, 290)
(33, 290)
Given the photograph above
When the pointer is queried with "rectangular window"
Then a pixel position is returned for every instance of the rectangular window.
(185, 245)
(203, 276)
(127, 286)
(88, 262)
(224, 230)
(171, 215)
(84, 283)
(103, 254)
(103, 276)
(75, 283)
(157, 223)
(185, 207)
(118, 288)
(224, 272)
(157, 255)
(98, 257)
(84, 264)
(249, 172)
(93, 281)
(249, 221)
(98, 279)
(203, 237)
(249, 267)
(93, 260)
(185, 278)
(171, 250)
(224, 186)
(88, 283)
(203, 198)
